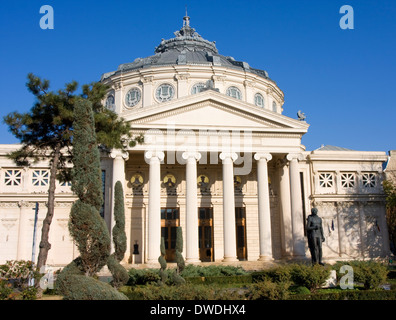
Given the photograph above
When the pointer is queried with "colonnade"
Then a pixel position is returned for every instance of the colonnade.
(291, 203)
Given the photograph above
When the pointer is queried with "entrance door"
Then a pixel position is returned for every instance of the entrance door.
(240, 224)
(169, 222)
(205, 228)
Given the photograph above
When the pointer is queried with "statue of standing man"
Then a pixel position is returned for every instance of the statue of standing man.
(315, 236)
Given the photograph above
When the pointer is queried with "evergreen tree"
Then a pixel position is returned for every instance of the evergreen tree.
(177, 278)
(162, 262)
(120, 275)
(179, 249)
(86, 226)
(46, 132)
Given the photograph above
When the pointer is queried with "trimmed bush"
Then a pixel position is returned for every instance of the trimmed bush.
(268, 290)
(212, 271)
(181, 292)
(275, 274)
(80, 287)
(312, 277)
(370, 273)
(143, 276)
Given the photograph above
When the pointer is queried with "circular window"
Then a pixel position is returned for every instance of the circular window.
(197, 88)
(110, 102)
(132, 97)
(234, 92)
(259, 100)
(165, 92)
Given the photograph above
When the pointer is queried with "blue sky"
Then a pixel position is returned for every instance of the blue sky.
(343, 80)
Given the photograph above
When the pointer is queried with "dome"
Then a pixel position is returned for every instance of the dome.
(187, 48)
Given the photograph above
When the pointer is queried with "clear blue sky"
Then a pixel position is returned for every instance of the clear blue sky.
(343, 80)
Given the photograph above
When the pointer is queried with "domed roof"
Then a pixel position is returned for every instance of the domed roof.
(187, 48)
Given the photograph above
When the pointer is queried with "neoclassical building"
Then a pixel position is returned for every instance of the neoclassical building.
(219, 159)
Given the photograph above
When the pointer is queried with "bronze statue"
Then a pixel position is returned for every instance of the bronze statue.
(315, 236)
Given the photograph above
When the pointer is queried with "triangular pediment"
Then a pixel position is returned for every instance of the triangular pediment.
(212, 110)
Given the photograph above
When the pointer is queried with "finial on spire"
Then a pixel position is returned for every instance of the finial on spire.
(186, 19)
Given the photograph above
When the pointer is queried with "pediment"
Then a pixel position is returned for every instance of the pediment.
(212, 110)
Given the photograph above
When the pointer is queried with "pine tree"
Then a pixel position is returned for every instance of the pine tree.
(46, 132)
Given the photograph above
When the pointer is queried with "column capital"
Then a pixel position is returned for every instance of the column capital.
(231, 155)
(191, 154)
(297, 156)
(117, 153)
(154, 154)
(262, 155)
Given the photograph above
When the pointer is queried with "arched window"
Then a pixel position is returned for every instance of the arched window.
(197, 87)
(259, 100)
(234, 92)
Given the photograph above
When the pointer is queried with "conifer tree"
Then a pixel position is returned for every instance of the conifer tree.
(162, 262)
(86, 226)
(120, 275)
(177, 278)
(179, 249)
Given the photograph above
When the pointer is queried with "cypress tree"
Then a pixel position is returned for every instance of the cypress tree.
(86, 226)
(120, 275)
(179, 249)
(162, 262)
(177, 278)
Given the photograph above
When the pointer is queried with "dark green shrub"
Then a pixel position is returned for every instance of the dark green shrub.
(268, 290)
(5, 290)
(143, 276)
(239, 279)
(81, 287)
(370, 273)
(29, 293)
(312, 277)
(275, 274)
(302, 290)
(212, 271)
(181, 292)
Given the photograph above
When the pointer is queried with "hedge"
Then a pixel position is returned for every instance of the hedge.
(348, 295)
(242, 279)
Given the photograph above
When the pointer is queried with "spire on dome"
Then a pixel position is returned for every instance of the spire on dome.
(186, 30)
(186, 19)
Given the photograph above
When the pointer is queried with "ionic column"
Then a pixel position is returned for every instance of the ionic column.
(25, 210)
(154, 159)
(192, 237)
(264, 214)
(228, 159)
(296, 206)
(119, 159)
(287, 234)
